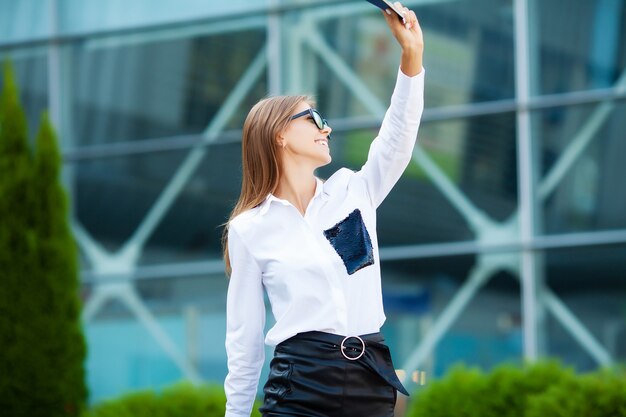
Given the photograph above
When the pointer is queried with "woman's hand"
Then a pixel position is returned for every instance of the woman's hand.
(409, 36)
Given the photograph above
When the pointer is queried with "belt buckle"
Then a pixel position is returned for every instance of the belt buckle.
(343, 348)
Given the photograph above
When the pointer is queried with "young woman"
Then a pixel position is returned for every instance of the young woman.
(312, 247)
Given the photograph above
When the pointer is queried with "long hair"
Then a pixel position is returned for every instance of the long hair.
(260, 156)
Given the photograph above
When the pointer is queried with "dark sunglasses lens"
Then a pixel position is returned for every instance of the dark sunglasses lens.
(317, 118)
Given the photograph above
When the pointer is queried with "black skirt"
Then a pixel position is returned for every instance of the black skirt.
(312, 375)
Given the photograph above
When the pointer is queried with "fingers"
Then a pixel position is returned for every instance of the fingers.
(392, 19)
(409, 19)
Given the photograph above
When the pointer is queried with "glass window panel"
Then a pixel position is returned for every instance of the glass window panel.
(191, 230)
(589, 282)
(486, 332)
(23, 20)
(584, 197)
(123, 355)
(127, 91)
(111, 196)
(584, 50)
(85, 16)
(124, 345)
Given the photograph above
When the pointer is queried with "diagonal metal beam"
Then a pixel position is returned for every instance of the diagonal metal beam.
(187, 168)
(572, 324)
(476, 219)
(97, 300)
(136, 305)
(344, 72)
(94, 252)
(579, 143)
(478, 277)
(127, 294)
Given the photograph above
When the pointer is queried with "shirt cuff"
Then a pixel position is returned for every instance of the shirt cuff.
(409, 86)
(421, 73)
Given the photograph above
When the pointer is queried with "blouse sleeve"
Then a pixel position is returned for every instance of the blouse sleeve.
(391, 151)
(245, 321)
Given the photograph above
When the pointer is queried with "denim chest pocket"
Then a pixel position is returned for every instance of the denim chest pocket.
(352, 242)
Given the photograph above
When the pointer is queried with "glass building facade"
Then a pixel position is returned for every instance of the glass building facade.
(505, 239)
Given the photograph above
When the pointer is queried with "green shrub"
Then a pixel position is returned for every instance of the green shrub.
(596, 395)
(179, 400)
(510, 386)
(455, 395)
(544, 389)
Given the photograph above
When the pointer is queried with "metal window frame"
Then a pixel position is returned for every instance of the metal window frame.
(512, 244)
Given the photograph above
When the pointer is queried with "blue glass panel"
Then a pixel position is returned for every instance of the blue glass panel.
(78, 16)
(587, 195)
(126, 89)
(583, 51)
(24, 19)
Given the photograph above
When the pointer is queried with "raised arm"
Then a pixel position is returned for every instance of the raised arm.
(245, 320)
(391, 150)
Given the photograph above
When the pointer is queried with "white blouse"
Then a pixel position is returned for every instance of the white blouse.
(321, 271)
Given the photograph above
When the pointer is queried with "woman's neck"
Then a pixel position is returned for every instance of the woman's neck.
(296, 185)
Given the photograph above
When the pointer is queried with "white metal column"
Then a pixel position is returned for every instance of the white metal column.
(526, 181)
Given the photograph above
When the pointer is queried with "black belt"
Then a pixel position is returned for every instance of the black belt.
(367, 349)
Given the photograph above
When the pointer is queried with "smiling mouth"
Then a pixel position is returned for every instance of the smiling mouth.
(323, 142)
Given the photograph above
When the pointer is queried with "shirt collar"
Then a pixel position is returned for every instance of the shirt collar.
(319, 191)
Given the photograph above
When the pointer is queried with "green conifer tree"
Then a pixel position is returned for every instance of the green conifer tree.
(43, 347)
(16, 243)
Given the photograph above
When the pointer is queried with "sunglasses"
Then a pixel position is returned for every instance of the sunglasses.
(317, 118)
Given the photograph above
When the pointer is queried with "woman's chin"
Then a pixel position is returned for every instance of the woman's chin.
(327, 161)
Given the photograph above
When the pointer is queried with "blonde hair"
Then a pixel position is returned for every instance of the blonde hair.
(260, 158)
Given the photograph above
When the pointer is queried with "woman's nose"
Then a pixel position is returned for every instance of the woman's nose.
(326, 130)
